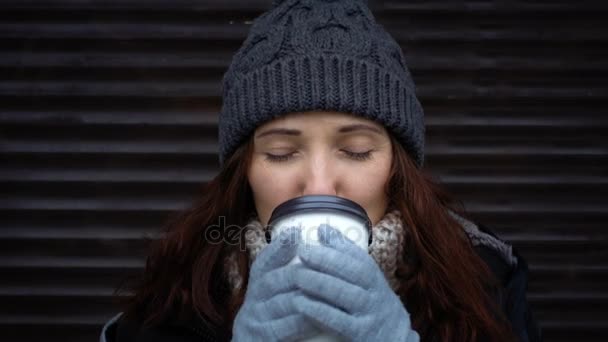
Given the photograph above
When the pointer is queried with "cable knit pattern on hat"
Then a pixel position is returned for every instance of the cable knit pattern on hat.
(311, 55)
(388, 236)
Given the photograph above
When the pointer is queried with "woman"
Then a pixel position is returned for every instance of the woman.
(319, 100)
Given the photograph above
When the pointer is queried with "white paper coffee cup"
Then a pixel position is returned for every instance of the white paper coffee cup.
(309, 222)
(312, 211)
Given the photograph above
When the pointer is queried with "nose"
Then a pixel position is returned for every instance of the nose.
(320, 179)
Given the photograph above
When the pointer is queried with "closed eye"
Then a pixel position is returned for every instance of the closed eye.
(358, 156)
(278, 158)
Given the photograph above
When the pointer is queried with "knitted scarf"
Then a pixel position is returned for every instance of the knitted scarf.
(386, 247)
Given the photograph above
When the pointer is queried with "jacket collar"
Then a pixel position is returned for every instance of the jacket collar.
(481, 236)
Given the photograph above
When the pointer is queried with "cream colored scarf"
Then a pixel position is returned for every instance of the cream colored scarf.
(387, 244)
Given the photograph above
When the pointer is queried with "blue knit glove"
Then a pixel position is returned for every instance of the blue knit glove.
(345, 292)
(267, 313)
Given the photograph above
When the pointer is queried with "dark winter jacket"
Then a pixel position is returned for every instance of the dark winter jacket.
(512, 300)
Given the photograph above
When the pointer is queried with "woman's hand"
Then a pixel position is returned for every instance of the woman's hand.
(267, 313)
(344, 291)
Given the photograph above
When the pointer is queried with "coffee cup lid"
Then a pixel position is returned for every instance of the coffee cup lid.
(320, 203)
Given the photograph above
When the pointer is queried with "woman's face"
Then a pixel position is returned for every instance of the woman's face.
(320, 153)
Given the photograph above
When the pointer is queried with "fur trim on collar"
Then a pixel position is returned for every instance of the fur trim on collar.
(478, 237)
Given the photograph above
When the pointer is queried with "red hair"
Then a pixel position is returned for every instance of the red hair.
(444, 283)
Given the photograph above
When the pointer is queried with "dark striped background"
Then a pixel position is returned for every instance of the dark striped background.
(108, 113)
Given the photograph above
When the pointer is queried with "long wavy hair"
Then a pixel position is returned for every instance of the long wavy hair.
(445, 285)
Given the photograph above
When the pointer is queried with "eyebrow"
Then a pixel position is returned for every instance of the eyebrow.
(343, 129)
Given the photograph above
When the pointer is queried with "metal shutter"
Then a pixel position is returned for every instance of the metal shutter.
(108, 119)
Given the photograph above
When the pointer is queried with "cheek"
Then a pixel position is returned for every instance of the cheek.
(264, 180)
(370, 186)
(269, 187)
(369, 177)
(367, 188)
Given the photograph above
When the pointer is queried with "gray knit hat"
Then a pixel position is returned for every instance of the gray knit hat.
(305, 55)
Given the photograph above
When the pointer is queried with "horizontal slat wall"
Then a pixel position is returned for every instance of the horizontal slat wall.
(108, 116)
